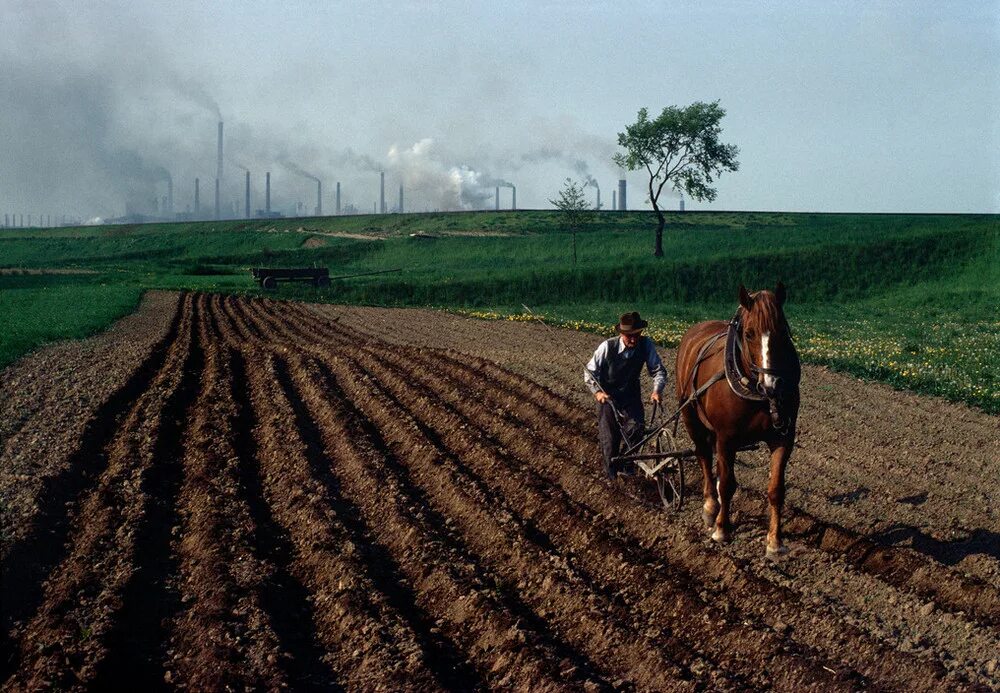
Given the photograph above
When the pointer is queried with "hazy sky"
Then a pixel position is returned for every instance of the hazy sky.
(835, 106)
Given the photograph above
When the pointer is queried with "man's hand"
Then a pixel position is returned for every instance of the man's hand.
(601, 397)
(655, 397)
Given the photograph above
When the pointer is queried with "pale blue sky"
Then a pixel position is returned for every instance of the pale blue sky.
(836, 106)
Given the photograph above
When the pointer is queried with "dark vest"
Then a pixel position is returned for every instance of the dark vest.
(620, 375)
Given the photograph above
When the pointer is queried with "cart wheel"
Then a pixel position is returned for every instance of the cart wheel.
(322, 282)
(269, 283)
(670, 479)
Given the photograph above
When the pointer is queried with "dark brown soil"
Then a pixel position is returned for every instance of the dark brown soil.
(222, 493)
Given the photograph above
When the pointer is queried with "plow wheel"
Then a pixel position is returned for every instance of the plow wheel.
(670, 479)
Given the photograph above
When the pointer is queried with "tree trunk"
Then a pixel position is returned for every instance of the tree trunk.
(661, 221)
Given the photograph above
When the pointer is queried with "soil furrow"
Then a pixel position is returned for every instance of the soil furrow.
(284, 598)
(69, 635)
(514, 549)
(27, 562)
(138, 642)
(815, 633)
(441, 655)
(581, 536)
(222, 639)
(26, 409)
(412, 356)
(512, 431)
(238, 310)
(365, 642)
(48, 400)
(233, 314)
(550, 418)
(476, 605)
(588, 634)
(511, 435)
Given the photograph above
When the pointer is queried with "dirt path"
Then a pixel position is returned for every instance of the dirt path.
(272, 495)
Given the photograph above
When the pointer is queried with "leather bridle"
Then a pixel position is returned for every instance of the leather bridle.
(741, 384)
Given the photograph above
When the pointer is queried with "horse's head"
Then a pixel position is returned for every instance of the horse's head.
(767, 339)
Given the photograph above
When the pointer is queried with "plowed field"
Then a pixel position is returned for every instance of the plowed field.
(251, 494)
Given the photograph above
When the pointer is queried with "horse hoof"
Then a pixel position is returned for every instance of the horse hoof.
(720, 536)
(776, 552)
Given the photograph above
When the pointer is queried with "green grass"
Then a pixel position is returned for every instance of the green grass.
(35, 310)
(907, 299)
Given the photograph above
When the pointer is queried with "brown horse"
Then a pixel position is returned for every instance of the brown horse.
(760, 406)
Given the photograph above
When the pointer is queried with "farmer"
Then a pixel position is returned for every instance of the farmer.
(612, 374)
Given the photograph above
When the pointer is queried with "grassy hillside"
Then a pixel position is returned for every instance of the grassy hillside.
(911, 299)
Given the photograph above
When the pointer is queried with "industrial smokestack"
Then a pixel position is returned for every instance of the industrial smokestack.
(682, 204)
(218, 209)
(598, 199)
(197, 198)
(621, 195)
(338, 198)
(513, 197)
(170, 196)
(497, 203)
(218, 173)
(400, 198)
(614, 200)
(267, 193)
(319, 198)
(381, 198)
(248, 195)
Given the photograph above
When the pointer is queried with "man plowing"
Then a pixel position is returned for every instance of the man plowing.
(612, 374)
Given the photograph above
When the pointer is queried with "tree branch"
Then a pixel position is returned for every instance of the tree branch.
(680, 161)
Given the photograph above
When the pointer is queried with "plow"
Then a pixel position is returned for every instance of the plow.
(659, 458)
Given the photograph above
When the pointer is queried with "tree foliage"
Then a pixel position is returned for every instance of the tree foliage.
(573, 204)
(576, 210)
(682, 148)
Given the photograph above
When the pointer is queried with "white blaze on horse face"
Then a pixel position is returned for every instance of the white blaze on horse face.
(768, 379)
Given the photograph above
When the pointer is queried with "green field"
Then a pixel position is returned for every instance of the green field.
(38, 309)
(908, 299)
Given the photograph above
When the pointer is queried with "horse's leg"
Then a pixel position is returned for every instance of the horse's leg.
(780, 452)
(726, 487)
(703, 450)
(702, 440)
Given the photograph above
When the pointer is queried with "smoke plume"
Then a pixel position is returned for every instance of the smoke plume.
(299, 171)
(442, 184)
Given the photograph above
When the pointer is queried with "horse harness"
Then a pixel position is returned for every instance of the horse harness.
(739, 382)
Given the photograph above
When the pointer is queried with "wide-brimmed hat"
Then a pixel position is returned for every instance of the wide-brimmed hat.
(630, 323)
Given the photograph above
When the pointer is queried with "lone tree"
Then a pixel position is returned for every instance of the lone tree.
(680, 147)
(576, 211)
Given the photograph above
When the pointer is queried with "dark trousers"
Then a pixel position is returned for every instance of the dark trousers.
(610, 432)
